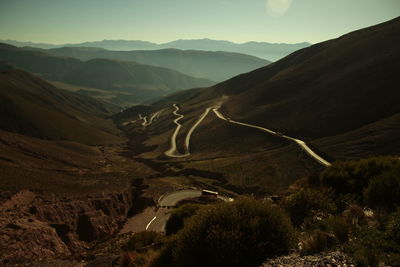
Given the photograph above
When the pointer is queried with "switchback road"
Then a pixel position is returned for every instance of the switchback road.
(301, 143)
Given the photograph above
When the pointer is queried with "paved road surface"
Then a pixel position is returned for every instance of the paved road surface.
(301, 143)
(170, 200)
(172, 152)
(144, 119)
(189, 134)
(138, 222)
(154, 219)
(152, 117)
(158, 222)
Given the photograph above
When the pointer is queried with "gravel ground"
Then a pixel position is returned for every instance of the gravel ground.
(326, 259)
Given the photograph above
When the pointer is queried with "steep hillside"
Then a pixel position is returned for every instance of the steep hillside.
(48, 66)
(327, 89)
(341, 97)
(31, 106)
(130, 76)
(215, 66)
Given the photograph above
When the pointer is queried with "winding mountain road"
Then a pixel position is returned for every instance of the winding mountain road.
(144, 119)
(155, 218)
(189, 134)
(172, 152)
(152, 117)
(301, 143)
(170, 200)
(157, 223)
(150, 121)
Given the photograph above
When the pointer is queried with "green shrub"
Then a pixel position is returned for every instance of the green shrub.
(306, 203)
(241, 233)
(392, 231)
(367, 247)
(370, 246)
(383, 190)
(178, 216)
(352, 177)
(344, 201)
(143, 239)
(392, 235)
(339, 228)
(317, 241)
(354, 214)
(164, 258)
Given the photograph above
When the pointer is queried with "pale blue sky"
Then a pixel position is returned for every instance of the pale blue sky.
(74, 21)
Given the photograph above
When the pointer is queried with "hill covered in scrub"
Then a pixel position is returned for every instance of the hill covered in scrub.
(169, 157)
(339, 97)
(33, 107)
(317, 220)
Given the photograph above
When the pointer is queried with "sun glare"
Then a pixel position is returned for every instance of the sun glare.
(278, 8)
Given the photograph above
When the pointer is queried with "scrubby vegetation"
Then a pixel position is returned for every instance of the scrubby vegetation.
(308, 202)
(215, 236)
(143, 239)
(373, 181)
(352, 206)
(141, 249)
(240, 233)
(178, 216)
(365, 223)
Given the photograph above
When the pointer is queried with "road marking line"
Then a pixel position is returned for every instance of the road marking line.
(148, 225)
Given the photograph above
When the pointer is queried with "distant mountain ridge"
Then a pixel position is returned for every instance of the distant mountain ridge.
(269, 51)
(141, 82)
(215, 66)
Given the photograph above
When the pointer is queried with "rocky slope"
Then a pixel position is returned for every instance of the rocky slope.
(33, 228)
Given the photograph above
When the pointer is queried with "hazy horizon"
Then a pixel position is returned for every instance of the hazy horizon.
(238, 21)
(157, 43)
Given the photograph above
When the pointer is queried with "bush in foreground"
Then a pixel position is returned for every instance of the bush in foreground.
(383, 190)
(242, 233)
(178, 216)
(317, 241)
(372, 246)
(306, 203)
(367, 248)
(352, 177)
(143, 239)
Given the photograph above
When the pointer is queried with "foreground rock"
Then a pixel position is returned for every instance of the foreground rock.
(34, 228)
(335, 258)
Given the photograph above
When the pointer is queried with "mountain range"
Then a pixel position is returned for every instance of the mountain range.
(80, 177)
(214, 66)
(340, 96)
(269, 51)
(130, 82)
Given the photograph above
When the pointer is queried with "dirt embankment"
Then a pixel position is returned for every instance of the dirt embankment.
(32, 227)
